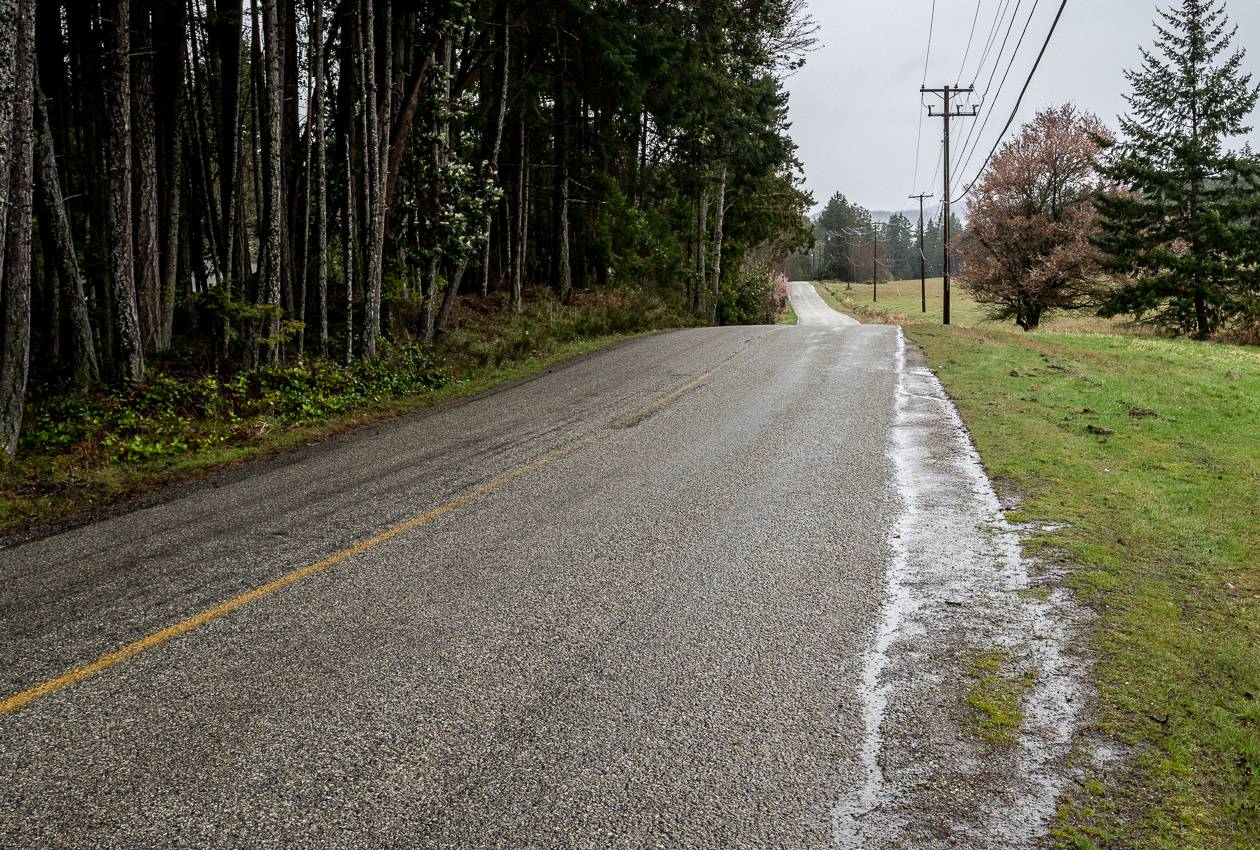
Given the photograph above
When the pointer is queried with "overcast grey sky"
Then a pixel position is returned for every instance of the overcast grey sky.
(855, 105)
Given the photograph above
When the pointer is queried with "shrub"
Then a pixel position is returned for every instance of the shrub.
(167, 415)
(755, 298)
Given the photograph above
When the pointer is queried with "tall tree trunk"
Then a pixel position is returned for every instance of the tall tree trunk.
(520, 242)
(127, 339)
(273, 202)
(347, 247)
(308, 201)
(17, 52)
(321, 178)
(449, 297)
(561, 270)
(371, 152)
(641, 155)
(384, 109)
(169, 42)
(719, 218)
(56, 223)
(437, 162)
(496, 133)
(226, 44)
(702, 239)
(401, 127)
(144, 190)
(292, 249)
(563, 262)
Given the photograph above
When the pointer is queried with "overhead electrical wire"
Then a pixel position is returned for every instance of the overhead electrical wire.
(970, 37)
(991, 39)
(1018, 101)
(927, 58)
(994, 29)
(997, 63)
(965, 156)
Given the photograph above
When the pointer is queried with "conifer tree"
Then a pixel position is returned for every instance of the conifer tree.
(1179, 233)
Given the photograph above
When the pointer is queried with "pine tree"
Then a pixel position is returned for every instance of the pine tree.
(902, 248)
(1179, 230)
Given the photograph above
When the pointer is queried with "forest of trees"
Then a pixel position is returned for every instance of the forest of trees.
(851, 245)
(251, 183)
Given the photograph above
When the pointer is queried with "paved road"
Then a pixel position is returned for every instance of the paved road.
(812, 311)
(627, 604)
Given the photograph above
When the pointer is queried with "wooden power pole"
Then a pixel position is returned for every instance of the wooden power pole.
(947, 113)
(922, 259)
(875, 260)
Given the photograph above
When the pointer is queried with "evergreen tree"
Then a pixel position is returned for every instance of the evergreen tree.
(1181, 232)
(847, 254)
(902, 248)
(934, 244)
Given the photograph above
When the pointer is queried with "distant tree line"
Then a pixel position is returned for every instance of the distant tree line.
(850, 244)
(250, 183)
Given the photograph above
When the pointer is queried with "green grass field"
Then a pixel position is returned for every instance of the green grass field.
(1149, 449)
(901, 300)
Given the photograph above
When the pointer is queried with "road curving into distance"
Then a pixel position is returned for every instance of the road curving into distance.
(637, 601)
(812, 311)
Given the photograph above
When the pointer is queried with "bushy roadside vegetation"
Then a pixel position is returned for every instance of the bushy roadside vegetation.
(81, 448)
(170, 414)
(758, 296)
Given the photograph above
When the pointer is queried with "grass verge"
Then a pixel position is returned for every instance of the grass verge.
(84, 453)
(902, 301)
(1148, 449)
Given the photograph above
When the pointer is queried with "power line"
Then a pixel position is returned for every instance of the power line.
(928, 57)
(1018, 100)
(990, 40)
(963, 150)
(962, 164)
(970, 37)
(998, 61)
(918, 142)
(936, 169)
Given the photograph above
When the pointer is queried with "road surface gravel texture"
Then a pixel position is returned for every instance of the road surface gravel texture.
(714, 588)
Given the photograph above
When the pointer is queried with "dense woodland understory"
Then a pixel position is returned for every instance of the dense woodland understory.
(213, 187)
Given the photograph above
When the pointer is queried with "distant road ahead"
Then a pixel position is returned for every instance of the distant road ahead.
(813, 311)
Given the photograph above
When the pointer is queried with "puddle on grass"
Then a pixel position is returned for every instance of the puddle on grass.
(958, 584)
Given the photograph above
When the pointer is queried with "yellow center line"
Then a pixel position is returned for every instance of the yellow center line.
(108, 660)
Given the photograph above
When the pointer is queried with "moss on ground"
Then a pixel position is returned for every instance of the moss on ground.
(996, 696)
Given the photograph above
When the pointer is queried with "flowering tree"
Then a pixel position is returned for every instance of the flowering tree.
(1027, 249)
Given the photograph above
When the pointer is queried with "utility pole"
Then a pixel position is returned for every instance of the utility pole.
(851, 235)
(875, 261)
(922, 259)
(948, 113)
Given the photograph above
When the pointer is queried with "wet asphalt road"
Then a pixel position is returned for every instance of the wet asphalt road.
(652, 639)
